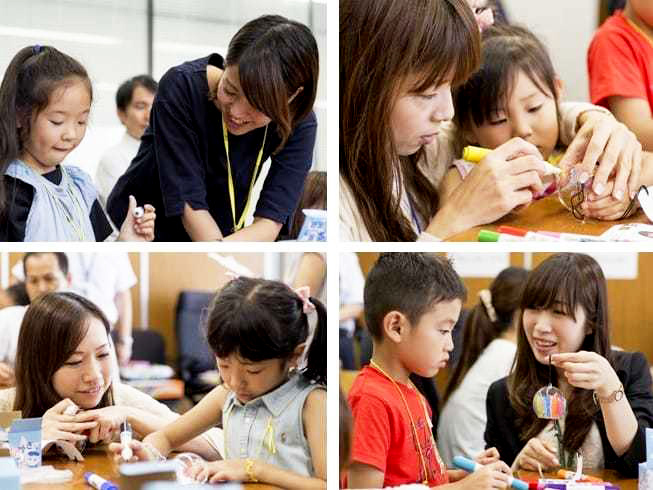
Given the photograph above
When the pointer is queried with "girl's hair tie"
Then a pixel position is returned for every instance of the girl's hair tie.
(304, 294)
(36, 49)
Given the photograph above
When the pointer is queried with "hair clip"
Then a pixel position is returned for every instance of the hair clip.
(304, 294)
(486, 299)
(36, 49)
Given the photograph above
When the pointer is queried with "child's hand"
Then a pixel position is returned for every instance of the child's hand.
(588, 370)
(604, 206)
(227, 470)
(605, 141)
(139, 452)
(536, 451)
(57, 425)
(138, 229)
(494, 475)
(487, 456)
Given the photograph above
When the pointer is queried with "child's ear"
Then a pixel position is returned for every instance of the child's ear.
(560, 87)
(394, 324)
(296, 354)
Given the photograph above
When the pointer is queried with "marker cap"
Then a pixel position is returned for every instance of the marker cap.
(488, 236)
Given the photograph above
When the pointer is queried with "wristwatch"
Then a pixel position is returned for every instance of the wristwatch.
(615, 396)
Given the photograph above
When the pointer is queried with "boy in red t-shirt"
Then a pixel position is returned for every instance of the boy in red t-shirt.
(412, 302)
(620, 66)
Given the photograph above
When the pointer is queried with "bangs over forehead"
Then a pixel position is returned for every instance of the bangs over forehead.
(566, 281)
(506, 51)
(448, 48)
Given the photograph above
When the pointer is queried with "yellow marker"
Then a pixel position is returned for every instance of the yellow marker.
(474, 154)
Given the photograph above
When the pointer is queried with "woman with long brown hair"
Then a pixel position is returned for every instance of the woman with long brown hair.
(64, 375)
(564, 339)
(398, 63)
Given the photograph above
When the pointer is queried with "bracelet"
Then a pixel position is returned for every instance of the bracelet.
(615, 396)
(249, 470)
(154, 452)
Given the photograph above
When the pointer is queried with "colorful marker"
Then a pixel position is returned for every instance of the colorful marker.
(99, 483)
(474, 154)
(472, 466)
(493, 236)
(526, 234)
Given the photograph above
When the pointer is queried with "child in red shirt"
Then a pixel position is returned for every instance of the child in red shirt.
(620, 66)
(412, 302)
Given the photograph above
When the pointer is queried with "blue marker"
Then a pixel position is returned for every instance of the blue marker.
(99, 483)
(471, 466)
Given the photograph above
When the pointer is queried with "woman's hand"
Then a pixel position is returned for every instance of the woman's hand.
(536, 451)
(605, 206)
(490, 455)
(506, 178)
(588, 370)
(108, 423)
(57, 425)
(604, 141)
(138, 229)
(494, 475)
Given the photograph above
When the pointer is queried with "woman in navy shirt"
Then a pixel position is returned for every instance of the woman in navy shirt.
(214, 122)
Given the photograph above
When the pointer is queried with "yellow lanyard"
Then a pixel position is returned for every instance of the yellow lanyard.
(412, 423)
(232, 195)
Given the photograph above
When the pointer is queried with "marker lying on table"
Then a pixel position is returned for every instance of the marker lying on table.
(493, 236)
(474, 154)
(555, 484)
(471, 466)
(583, 478)
(527, 234)
(548, 236)
(99, 483)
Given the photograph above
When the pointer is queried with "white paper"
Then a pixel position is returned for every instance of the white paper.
(479, 264)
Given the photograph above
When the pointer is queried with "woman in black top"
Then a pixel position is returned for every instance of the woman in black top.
(214, 122)
(608, 393)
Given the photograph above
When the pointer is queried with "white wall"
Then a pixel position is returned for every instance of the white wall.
(566, 27)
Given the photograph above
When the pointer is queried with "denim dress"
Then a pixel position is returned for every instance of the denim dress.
(270, 428)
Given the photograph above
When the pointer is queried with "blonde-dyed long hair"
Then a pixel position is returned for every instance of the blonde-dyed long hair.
(382, 43)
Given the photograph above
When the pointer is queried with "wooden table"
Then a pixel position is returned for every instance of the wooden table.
(547, 215)
(606, 475)
(98, 461)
